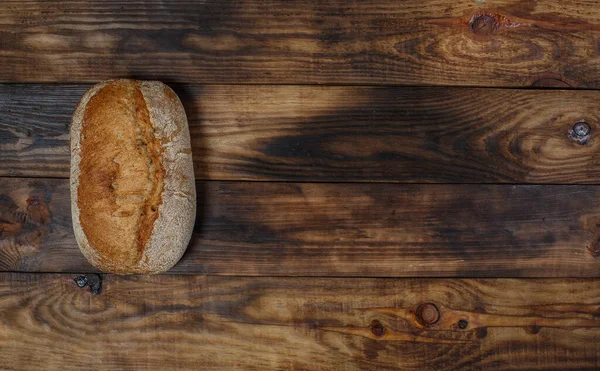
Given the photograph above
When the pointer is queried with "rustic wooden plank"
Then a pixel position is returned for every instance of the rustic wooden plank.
(312, 133)
(413, 42)
(322, 229)
(187, 322)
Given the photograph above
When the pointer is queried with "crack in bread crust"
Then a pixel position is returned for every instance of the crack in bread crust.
(153, 150)
(121, 174)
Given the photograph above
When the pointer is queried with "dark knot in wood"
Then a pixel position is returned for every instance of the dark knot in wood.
(463, 324)
(580, 132)
(581, 129)
(94, 281)
(427, 314)
(484, 25)
(377, 328)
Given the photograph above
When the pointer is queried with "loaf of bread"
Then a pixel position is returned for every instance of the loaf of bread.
(133, 197)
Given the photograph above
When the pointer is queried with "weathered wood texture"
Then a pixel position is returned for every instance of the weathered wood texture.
(310, 133)
(320, 229)
(413, 42)
(191, 322)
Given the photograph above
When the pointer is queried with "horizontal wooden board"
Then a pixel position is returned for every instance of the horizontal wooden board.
(192, 322)
(311, 133)
(412, 42)
(322, 229)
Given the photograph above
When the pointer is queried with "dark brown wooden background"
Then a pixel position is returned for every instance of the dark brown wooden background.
(354, 159)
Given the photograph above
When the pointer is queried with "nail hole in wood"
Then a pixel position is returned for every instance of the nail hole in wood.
(94, 281)
(80, 281)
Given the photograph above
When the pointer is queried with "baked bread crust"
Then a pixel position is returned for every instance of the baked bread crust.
(133, 196)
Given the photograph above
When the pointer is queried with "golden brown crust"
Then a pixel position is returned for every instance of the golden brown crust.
(124, 176)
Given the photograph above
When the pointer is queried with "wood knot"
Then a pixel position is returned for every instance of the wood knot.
(533, 330)
(23, 225)
(483, 25)
(427, 314)
(580, 132)
(591, 224)
(481, 332)
(377, 328)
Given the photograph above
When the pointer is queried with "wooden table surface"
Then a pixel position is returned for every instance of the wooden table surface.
(410, 185)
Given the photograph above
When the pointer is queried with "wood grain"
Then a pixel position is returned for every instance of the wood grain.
(365, 134)
(433, 42)
(320, 229)
(187, 322)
